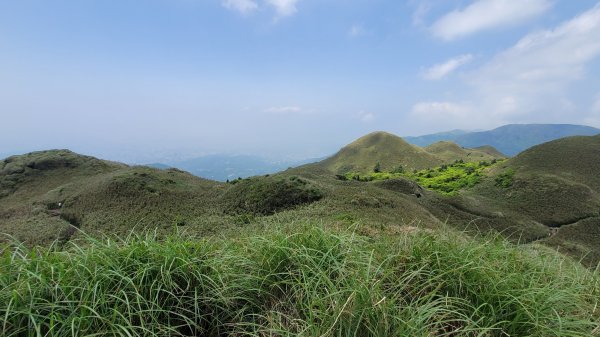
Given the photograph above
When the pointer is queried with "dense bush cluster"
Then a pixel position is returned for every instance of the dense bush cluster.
(267, 195)
(505, 179)
(445, 179)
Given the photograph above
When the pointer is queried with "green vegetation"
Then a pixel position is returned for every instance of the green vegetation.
(297, 280)
(445, 179)
(268, 195)
(505, 179)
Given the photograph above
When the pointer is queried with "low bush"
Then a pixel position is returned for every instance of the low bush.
(267, 195)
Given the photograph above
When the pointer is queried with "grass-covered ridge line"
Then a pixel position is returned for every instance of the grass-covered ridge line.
(309, 282)
(445, 179)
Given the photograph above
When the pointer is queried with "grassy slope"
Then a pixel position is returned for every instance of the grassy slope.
(555, 184)
(96, 196)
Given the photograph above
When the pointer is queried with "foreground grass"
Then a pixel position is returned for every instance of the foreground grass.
(309, 282)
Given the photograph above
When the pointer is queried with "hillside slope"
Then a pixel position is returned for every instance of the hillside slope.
(44, 194)
(555, 184)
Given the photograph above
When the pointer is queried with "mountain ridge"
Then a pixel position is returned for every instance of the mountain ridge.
(509, 139)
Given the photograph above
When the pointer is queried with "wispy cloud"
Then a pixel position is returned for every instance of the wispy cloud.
(357, 30)
(284, 7)
(365, 116)
(440, 110)
(282, 110)
(445, 115)
(487, 14)
(422, 9)
(242, 6)
(442, 70)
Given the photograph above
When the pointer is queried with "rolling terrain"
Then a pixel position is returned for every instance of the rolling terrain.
(304, 251)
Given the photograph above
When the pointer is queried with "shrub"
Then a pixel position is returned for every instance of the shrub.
(265, 196)
(398, 169)
(377, 168)
(505, 180)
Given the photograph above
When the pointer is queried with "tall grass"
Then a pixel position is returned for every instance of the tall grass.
(310, 282)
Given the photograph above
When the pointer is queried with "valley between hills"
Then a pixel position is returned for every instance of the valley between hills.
(384, 238)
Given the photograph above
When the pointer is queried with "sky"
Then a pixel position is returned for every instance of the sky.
(149, 80)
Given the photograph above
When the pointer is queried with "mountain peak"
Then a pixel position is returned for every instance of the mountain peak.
(383, 148)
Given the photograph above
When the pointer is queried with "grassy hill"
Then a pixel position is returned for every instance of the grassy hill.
(384, 148)
(555, 184)
(57, 195)
(392, 152)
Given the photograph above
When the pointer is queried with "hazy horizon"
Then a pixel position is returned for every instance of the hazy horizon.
(287, 79)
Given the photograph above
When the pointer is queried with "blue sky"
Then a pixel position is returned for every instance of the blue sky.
(148, 79)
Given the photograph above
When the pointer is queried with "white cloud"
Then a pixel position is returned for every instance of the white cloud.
(282, 110)
(242, 6)
(441, 70)
(284, 7)
(536, 72)
(436, 115)
(487, 14)
(446, 115)
(356, 30)
(528, 82)
(440, 110)
(365, 116)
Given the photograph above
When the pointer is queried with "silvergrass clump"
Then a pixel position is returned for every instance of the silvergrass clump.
(312, 282)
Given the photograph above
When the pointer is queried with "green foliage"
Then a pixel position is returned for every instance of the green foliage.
(398, 169)
(505, 180)
(311, 282)
(267, 195)
(446, 179)
(377, 168)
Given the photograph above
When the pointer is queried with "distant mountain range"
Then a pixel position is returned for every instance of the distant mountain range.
(509, 139)
(222, 167)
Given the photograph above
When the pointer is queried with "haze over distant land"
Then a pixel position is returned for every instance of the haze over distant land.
(141, 82)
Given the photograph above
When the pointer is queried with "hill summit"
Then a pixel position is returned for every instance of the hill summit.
(389, 151)
(379, 147)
